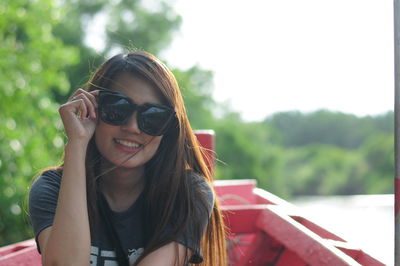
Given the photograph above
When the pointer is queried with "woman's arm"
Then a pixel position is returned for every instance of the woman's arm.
(67, 241)
(167, 256)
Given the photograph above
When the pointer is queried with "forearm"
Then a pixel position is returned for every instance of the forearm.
(69, 240)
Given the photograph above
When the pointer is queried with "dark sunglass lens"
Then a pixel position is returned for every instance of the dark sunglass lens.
(153, 120)
(114, 109)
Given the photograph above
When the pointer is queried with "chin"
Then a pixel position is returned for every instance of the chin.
(134, 162)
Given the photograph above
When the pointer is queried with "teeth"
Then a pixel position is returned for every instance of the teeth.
(127, 143)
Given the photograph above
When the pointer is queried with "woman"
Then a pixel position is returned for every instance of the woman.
(133, 188)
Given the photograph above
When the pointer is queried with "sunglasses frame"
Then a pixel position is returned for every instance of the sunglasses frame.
(139, 108)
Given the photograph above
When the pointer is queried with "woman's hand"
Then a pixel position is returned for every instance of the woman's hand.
(79, 115)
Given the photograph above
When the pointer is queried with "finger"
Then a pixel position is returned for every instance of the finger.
(82, 109)
(91, 96)
(95, 94)
(80, 90)
(89, 99)
(75, 95)
(89, 105)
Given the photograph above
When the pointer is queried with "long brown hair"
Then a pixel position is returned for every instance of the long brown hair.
(169, 189)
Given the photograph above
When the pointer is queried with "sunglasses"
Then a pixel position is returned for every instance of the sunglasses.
(116, 109)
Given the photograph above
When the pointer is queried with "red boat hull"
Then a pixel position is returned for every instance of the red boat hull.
(266, 230)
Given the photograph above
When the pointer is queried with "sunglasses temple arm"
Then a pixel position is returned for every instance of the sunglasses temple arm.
(167, 125)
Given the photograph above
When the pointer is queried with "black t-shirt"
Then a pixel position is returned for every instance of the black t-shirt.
(128, 224)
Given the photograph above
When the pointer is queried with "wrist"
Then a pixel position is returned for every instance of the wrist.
(75, 145)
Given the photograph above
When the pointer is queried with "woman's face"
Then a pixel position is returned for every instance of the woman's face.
(126, 145)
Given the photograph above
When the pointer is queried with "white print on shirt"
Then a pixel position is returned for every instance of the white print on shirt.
(109, 256)
(134, 254)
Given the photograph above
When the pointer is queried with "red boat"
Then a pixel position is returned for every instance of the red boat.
(263, 230)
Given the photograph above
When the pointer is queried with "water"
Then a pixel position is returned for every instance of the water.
(365, 220)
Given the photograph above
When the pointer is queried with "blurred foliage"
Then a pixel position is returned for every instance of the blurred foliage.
(195, 84)
(339, 129)
(32, 60)
(319, 153)
(44, 56)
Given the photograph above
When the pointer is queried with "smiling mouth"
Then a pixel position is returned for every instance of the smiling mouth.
(128, 144)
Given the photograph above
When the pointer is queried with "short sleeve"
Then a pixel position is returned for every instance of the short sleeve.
(203, 206)
(43, 201)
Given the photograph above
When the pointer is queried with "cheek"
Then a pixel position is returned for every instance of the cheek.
(100, 134)
(153, 145)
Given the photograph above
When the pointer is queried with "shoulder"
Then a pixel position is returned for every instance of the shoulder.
(202, 190)
(51, 175)
(43, 197)
(197, 180)
(47, 183)
(48, 177)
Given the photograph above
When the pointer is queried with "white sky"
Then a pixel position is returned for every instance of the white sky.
(279, 55)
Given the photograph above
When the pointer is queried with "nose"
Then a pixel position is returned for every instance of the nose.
(131, 125)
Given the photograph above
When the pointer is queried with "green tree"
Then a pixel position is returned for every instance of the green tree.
(247, 151)
(326, 127)
(378, 152)
(319, 169)
(320, 153)
(31, 63)
(195, 84)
